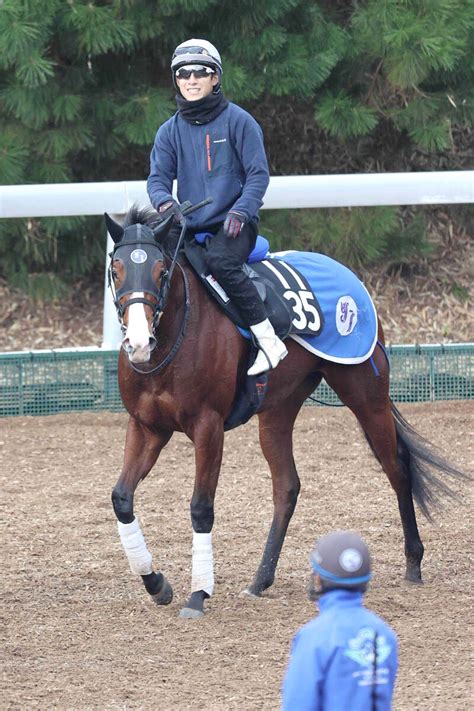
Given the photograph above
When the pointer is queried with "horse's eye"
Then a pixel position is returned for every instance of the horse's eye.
(114, 274)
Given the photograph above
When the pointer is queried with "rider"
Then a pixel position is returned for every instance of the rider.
(214, 147)
(346, 658)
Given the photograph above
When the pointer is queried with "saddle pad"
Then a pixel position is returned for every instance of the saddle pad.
(294, 291)
(350, 320)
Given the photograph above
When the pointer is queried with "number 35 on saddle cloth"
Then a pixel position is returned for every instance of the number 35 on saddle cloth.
(309, 297)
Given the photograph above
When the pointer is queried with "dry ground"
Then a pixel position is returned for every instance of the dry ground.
(81, 633)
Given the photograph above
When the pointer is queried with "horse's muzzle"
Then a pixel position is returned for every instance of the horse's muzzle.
(139, 354)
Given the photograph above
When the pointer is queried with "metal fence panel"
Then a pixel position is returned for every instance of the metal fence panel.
(48, 382)
(54, 381)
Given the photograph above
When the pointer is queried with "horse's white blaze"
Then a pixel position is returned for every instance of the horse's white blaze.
(133, 542)
(203, 563)
(138, 333)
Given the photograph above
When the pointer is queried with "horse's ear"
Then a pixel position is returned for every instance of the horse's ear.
(114, 229)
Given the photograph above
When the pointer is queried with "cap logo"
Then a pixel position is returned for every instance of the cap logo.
(350, 560)
(139, 256)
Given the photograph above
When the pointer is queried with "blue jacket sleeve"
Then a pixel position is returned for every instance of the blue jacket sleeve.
(251, 151)
(162, 168)
(302, 684)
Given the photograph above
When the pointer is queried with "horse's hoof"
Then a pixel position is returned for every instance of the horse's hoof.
(413, 574)
(164, 596)
(249, 594)
(189, 613)
(414, 579)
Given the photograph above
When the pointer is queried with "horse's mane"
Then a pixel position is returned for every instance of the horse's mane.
(148, 216)
(140, 216)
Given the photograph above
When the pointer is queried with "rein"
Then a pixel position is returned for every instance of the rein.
(182, 331)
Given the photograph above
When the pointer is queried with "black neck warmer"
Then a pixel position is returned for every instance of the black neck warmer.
(202, 110)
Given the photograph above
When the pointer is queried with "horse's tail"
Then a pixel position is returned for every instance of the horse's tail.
(419, 458)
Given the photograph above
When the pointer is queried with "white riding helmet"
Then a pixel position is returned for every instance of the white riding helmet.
(196, 51)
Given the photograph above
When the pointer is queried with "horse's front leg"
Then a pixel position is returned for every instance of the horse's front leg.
(276, 431)
(142, 448)
(208, 438)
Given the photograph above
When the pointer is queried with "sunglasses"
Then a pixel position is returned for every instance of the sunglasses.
(198, 70)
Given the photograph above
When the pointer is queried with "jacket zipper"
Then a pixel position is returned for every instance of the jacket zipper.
(208, 152)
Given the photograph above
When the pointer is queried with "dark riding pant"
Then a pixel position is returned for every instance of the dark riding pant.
(225, 257)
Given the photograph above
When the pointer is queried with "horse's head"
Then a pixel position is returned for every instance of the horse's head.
(138, 277)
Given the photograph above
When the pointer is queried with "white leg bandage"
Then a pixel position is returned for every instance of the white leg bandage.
(139, 557)
(203, 563)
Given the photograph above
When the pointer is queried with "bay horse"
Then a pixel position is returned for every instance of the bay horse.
(180, 366)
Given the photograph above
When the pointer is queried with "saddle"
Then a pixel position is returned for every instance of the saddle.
(291, 305)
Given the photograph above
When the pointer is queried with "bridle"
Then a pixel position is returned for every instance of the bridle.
(139, 278)
(133, 238)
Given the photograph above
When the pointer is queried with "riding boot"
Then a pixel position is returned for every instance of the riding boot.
(271, 349)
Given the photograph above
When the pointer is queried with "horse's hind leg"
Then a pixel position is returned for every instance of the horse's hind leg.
(366, 393)
(142, 448)
(382, 437)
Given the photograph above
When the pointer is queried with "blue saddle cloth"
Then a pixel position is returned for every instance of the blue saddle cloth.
(349, 334)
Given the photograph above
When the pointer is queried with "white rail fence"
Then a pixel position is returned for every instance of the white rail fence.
(307, 191)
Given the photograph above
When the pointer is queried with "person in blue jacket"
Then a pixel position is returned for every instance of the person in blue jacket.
(215, 148)
(345, 659)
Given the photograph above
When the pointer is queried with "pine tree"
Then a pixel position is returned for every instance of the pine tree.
(84, 85)
(78, 101)
(417, 56)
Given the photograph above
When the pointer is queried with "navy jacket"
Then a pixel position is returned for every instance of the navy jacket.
(332, 665)
(224, 159)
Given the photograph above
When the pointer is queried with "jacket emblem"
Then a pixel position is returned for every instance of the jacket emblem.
(361, 648)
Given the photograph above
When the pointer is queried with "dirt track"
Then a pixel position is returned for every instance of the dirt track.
(80, 632)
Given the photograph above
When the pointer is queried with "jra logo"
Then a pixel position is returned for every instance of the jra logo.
(346, 315)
